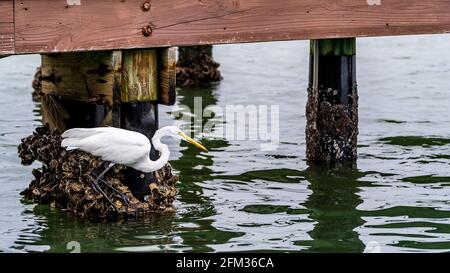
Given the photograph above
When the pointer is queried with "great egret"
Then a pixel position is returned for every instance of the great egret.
(120, 146)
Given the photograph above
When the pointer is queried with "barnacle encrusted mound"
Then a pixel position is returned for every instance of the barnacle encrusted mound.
(66, 181)
(196, 67)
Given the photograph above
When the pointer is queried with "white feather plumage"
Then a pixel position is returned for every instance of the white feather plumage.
(124, 147)
(118, 146)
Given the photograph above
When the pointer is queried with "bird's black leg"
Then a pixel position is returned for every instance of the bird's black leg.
(96, 186)
(100, 176)
(98, 189)
(124, 198)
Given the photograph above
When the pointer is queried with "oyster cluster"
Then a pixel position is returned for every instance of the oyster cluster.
(66, 181)
(201, 70)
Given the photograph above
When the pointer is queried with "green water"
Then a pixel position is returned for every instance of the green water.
(240, 198)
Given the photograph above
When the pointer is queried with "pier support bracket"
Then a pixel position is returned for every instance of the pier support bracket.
(332, 107)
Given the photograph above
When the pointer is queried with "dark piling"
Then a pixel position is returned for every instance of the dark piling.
(196, 67)
(332, 107)
(140, 117)
(138, 98)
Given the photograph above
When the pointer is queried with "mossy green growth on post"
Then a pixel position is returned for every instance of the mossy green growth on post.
(335, 47)
(139, 75)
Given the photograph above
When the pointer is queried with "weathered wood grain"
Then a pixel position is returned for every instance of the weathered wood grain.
(6, 27)
(53, 113)
(53, 25)
(6, 11)
(117, 83)
(86, 77)
(167, 75)
(139, 75)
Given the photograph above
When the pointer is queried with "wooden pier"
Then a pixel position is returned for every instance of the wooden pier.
(45, 26)
(142, 31)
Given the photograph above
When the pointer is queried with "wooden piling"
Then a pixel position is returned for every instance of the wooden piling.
(76, 89)
(139, 107)
(118, 88)
(139, 75)
(196, 66)
(167, 75)
(332, 107)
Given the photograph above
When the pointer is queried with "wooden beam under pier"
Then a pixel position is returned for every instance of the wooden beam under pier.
(43, 26)
(6, 27)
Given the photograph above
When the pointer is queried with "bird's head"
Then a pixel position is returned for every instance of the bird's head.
(176, 132)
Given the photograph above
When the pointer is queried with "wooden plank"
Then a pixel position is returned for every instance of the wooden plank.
(6, 38)
(53, 25)
(139, 75)
(53, 113)
(167, 75)
(6, 27)
(6, 11)
(86, 77)
(117, 83)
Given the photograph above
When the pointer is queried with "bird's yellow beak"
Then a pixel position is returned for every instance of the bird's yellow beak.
(192, 141)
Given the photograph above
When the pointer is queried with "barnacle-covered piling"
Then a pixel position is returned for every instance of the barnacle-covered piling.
(66, 177)
(332, 108)
(196, 67)
(37, 85)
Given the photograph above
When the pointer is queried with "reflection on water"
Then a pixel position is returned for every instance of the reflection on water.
(333, 205)
(239, 198)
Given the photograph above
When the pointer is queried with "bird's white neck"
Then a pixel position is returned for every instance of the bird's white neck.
(164, 153)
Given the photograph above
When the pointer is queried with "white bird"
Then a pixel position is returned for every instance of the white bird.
(120, 146)
(125, 147)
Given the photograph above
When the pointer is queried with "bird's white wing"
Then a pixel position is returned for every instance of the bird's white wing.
(81, 132)
(87, 132)
(111, 144)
